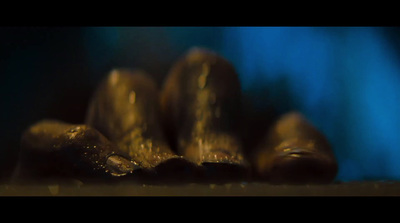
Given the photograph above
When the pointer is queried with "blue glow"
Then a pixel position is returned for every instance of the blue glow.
(376, 96)
(345, 80)
(101, 44)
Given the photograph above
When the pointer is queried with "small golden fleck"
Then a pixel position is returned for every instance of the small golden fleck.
(114, 77)
(132, 97)
(202, 80)
(205, 69)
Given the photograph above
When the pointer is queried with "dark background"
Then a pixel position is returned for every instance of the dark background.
(344, 79)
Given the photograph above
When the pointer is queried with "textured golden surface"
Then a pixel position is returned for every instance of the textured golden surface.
(52, 148)
(294, 151)
(125, 109)
(192, 129)
(201, 108)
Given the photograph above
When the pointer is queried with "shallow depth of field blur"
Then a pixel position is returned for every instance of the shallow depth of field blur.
(345, 80)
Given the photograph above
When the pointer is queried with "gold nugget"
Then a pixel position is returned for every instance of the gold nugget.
(201, 106)
(55, 149)
(125, 109)
(294, 151)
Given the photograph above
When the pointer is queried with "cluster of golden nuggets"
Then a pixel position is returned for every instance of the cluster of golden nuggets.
(190, 130)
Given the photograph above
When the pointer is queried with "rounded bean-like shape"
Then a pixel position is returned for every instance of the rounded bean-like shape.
(295, 152)
(55, 149)
(125, 108)
(201, 109)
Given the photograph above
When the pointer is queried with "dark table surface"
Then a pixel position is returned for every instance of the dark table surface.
(366, 188)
